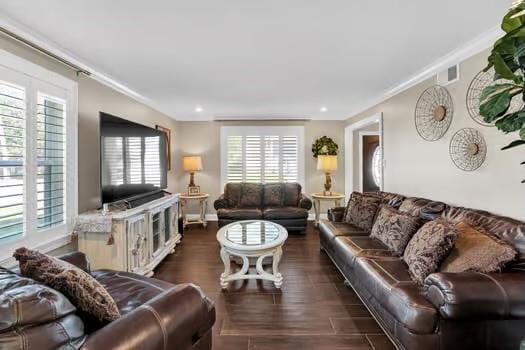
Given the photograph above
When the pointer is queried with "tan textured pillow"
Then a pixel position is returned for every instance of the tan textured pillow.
(83, 290)
(428, 248)
(476, 251)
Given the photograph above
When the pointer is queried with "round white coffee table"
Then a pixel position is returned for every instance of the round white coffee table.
(252, 239)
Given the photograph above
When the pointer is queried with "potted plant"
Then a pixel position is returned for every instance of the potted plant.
(324, 146)
(508, 59)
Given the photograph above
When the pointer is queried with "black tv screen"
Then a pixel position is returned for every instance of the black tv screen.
(132, 159)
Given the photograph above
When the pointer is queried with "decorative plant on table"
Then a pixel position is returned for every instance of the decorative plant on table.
(324, 146)
(508, 59)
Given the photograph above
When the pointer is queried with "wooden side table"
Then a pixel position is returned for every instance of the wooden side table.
(202, 199)
(320, 197)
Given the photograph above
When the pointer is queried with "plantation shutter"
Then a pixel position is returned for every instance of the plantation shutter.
(262, 158)
(151, 160)
(51, 147)
(12, 154)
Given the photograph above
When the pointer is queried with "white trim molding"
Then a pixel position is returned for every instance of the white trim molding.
(471, 48)
(349, 144)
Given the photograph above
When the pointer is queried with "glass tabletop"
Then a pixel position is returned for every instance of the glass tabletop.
(252, 233)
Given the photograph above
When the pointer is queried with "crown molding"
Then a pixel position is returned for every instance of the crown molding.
(39, 40)
(471, 48)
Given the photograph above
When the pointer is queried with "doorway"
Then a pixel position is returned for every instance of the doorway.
(355, 163)
(369, 159)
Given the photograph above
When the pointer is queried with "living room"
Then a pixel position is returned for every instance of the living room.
(242, 175)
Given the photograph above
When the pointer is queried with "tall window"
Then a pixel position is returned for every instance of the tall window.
(262, 154)
(37, 154)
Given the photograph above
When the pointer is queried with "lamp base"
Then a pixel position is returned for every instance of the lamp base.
(192, 180)
(327, 185)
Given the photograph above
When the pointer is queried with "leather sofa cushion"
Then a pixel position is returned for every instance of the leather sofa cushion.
(130, 290)
(232, 193)
(291, 194)
(285, 213)
(251, 195)
(391, 286)
(424, 208)
(240, 214)
(331, 229)
(273, 195)
(349, 248)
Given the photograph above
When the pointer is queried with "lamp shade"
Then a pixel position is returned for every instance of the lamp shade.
(192, 163)
(326, 163)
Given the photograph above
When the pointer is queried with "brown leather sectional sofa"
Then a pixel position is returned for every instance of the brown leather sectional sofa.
(452, 310)
(155, 314)
(282, 203)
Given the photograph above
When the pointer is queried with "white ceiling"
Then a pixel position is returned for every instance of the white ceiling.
(250, 58)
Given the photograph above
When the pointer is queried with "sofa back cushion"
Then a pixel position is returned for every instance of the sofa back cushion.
(361, 210)
(291, 194)
(251, 195)
(273, 195)
(506, 229)
(424, 208)
(393, 200)
(394, 228)
(232, 193)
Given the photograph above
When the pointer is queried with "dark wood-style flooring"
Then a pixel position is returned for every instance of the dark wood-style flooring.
(314, 310)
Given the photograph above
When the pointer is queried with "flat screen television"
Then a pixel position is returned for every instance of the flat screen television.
(133, 159)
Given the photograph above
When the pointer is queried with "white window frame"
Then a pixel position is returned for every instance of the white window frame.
(35, 79)
(292, 130)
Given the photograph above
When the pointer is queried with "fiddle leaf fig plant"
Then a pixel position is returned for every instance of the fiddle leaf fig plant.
(324, 146)
(508, 60)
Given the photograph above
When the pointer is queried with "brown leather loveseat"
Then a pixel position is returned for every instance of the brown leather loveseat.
(452, 310)
(282, 203)
(155, 314)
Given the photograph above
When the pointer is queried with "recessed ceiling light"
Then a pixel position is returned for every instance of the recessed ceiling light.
(323, 109)
(198, 109)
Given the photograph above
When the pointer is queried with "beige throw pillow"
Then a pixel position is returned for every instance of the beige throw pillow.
(476, 251)
(82, 289)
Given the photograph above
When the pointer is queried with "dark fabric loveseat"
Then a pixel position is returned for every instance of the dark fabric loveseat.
(154, 314)
(282, 203)
(452, 310)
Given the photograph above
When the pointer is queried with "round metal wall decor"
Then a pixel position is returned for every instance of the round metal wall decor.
(433, 114)
(481, 81)
(468, 149)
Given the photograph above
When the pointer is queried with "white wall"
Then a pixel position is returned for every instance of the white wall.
(416, 167)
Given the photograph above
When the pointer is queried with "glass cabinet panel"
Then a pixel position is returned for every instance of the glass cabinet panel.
(156, 230)
(168, 225)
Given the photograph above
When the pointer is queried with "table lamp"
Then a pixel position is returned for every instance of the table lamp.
(192, 164)
(327, 164)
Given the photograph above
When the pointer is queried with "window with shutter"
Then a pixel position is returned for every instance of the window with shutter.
(12, 141)
(38, 137)
(262, 154)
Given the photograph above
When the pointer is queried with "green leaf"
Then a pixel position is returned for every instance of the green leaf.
(511, 122)
(513, 19)
(522, 134)
(495, 105)
(503, 69)
(494, 89)
(514, 144)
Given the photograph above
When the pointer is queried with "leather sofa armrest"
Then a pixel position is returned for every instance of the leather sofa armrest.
(336, 214)
(78, 259)
(305, 202)
(220, 203)
(471, 295)
(178, 317)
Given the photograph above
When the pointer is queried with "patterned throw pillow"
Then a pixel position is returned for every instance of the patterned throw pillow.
(428, 248)
(476, 251)
(362, 210)
(82, 290)
(394, 229)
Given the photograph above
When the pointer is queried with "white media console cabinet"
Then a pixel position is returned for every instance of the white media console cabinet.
(135, 240)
